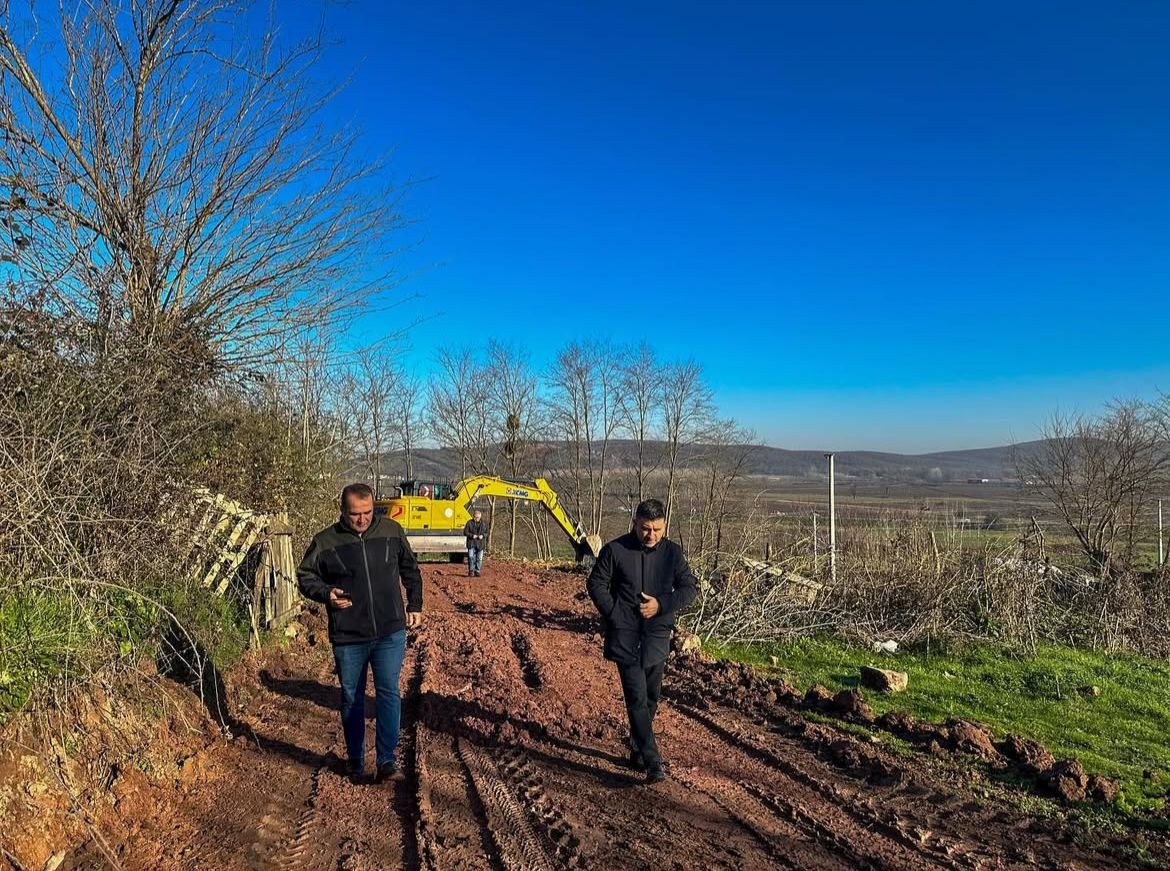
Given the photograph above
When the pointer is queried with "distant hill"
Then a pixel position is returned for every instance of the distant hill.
(995, 464)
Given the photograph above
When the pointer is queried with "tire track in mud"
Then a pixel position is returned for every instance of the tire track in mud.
(297, 851)
(425, 822)
(285, 831)
(890, 795)
(439, 597)
(517, 844)
(784, 843)
(518, 824)
(834, 825)
(546, 818)
(916, 832)
(341, 824)
(454, 829)
(530, 668)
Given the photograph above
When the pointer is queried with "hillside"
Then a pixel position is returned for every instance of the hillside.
(997, 463)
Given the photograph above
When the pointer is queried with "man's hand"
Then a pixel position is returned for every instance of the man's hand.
(413, 619)
(649, 606)
(338, 598)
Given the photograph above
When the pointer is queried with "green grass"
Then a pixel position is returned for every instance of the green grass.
(1119, 733)
(53, 636)
(47, 633)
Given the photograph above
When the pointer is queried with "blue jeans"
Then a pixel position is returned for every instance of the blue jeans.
(474, 559)
(385, 657)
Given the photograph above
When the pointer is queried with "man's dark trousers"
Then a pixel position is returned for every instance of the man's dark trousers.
(642, 687)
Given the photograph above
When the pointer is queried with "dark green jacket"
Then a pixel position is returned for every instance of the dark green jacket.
(372, 568)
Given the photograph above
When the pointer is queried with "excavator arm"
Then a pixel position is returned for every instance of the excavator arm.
(467, 491)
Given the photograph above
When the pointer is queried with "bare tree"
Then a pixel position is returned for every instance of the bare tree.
(641, 392)
(406, 397)
(607, 380)
(457, 410)
(686, 410)
(307, 372)
(1099, 474)
(172, 186)
(518, 417)
(571, 410)
(367, 391)
(728, 449)
(586, 409)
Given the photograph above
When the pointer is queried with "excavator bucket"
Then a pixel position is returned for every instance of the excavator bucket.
(587, 550)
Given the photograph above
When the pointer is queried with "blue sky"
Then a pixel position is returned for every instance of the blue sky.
(905, 226)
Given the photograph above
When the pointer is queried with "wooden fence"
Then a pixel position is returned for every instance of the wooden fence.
(232, 548)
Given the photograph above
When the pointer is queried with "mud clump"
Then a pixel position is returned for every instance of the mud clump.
(818, 698)
(971, 738)
(1031, 757)
(858, 759)
(846, 704)
(699, 681)
(1067, 780)
(849, 704)
(910, 729)
(1102, 789)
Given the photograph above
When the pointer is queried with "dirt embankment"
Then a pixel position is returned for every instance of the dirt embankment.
(513, 742)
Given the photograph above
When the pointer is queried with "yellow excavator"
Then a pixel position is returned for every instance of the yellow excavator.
(433, 513)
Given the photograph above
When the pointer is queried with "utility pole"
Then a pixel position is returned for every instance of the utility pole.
(832, 521)
(1161, 552)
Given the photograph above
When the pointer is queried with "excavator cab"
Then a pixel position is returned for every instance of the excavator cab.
(426, 489)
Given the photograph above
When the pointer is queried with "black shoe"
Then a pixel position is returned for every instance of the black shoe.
(654, 773)
(389, 771)
(355, 771)
(636, 761)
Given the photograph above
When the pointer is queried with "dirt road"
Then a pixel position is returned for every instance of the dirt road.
(513, 737)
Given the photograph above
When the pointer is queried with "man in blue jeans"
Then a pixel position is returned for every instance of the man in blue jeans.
(357, 567)
(475, 531)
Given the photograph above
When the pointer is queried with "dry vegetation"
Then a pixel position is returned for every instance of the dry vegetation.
(1069, 558)
(167, 271)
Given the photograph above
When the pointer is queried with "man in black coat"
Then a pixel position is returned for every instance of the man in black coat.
(638, 584)
(475, 531)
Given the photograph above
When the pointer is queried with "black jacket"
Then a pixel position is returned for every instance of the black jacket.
(475, 527)
(623, 571)
(370, 567)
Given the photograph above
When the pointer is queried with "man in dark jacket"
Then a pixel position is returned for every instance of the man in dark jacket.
(475, 531)
(638, 584)
(357, 567)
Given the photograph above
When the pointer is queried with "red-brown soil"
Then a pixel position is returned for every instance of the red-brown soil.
(513, 743)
